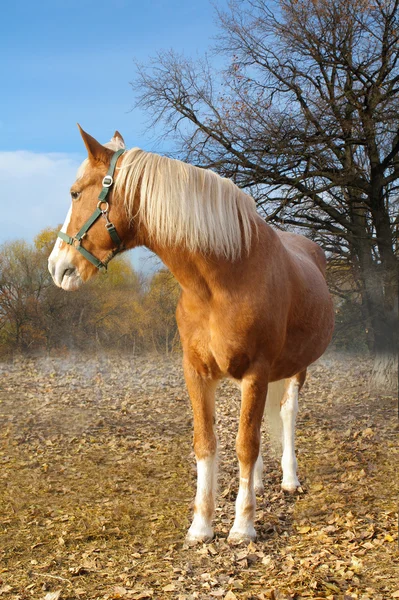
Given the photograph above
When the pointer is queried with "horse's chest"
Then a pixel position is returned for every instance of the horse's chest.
(213, 347)
(214, 363)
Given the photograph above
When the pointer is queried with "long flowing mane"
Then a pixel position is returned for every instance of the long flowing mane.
(183, 204)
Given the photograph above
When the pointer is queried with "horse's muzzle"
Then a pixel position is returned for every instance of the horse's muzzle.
(65, 275)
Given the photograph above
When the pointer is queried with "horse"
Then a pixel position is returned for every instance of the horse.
(254, 303)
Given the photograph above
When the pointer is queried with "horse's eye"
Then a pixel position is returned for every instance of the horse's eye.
(75, 195)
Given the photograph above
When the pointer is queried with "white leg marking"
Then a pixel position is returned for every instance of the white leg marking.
(243, 528)
(288, 414)
(201, 527)
(258, 477)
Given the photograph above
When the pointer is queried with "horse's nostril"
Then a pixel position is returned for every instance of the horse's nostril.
(68, 272)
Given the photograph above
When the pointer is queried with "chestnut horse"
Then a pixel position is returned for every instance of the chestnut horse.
(254, 302)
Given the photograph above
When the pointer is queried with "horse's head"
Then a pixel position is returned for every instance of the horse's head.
(95, 228)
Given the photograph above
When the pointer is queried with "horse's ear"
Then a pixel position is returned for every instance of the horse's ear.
(118, 141)
(96, 151)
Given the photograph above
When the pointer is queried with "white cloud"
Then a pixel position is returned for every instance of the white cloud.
(35, 191)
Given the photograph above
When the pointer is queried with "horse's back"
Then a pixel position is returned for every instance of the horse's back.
(299, 246)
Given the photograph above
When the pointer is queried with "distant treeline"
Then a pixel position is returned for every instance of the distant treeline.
(118, 311)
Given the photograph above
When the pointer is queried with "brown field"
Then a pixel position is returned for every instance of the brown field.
(98, 477)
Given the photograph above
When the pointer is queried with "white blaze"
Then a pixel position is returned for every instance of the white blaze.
(63, 271)
(57, 246)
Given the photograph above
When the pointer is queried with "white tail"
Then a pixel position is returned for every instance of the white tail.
(272, 411)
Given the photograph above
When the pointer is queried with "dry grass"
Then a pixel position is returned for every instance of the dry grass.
(98, 478)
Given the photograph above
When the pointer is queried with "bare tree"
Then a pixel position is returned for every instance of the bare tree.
(306, 117)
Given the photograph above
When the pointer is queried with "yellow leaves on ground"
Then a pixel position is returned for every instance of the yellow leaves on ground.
(303, 529)
(316, 487)
(97, 481)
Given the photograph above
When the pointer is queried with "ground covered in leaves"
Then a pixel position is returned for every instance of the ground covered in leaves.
(98, 477)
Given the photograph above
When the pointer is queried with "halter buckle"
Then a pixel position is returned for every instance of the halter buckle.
(108, 181)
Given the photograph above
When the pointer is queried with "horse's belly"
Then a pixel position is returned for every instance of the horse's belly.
(305, 342)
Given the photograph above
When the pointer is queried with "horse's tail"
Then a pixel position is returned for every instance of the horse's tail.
(273, 403)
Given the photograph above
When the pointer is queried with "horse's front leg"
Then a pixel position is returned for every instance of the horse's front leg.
(254, 390)
(202, 396)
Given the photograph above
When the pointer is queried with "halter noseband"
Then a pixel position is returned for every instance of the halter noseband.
(76, 240)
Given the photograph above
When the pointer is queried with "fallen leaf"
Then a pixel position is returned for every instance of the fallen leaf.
(331, 586)
(317, 487)
(304, 529)
(368, 433)
(53, 595)
(230, 596)
(278, 595)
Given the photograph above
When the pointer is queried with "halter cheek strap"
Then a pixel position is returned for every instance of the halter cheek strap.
(102, 210)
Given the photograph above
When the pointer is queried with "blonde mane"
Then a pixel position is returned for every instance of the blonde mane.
(183, 204)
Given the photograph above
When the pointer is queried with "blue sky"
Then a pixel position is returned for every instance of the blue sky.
(64, 62)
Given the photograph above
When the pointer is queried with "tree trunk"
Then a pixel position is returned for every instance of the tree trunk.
(385, 370)
(378, 294)
(384, 319)
(384, 376)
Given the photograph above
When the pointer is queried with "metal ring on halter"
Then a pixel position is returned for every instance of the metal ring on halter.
(103, 210)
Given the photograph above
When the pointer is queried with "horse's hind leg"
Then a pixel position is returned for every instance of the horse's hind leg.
(202, 396)
(258, 475)
(254, 391)
(288, 413)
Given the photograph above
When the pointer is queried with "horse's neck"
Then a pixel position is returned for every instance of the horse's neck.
(194, 272)
(206, 275)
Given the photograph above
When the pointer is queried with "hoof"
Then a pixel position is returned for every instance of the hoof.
(197, 537)
(239, 537)
(291, 487)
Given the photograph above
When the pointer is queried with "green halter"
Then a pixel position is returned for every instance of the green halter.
(76, 241)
